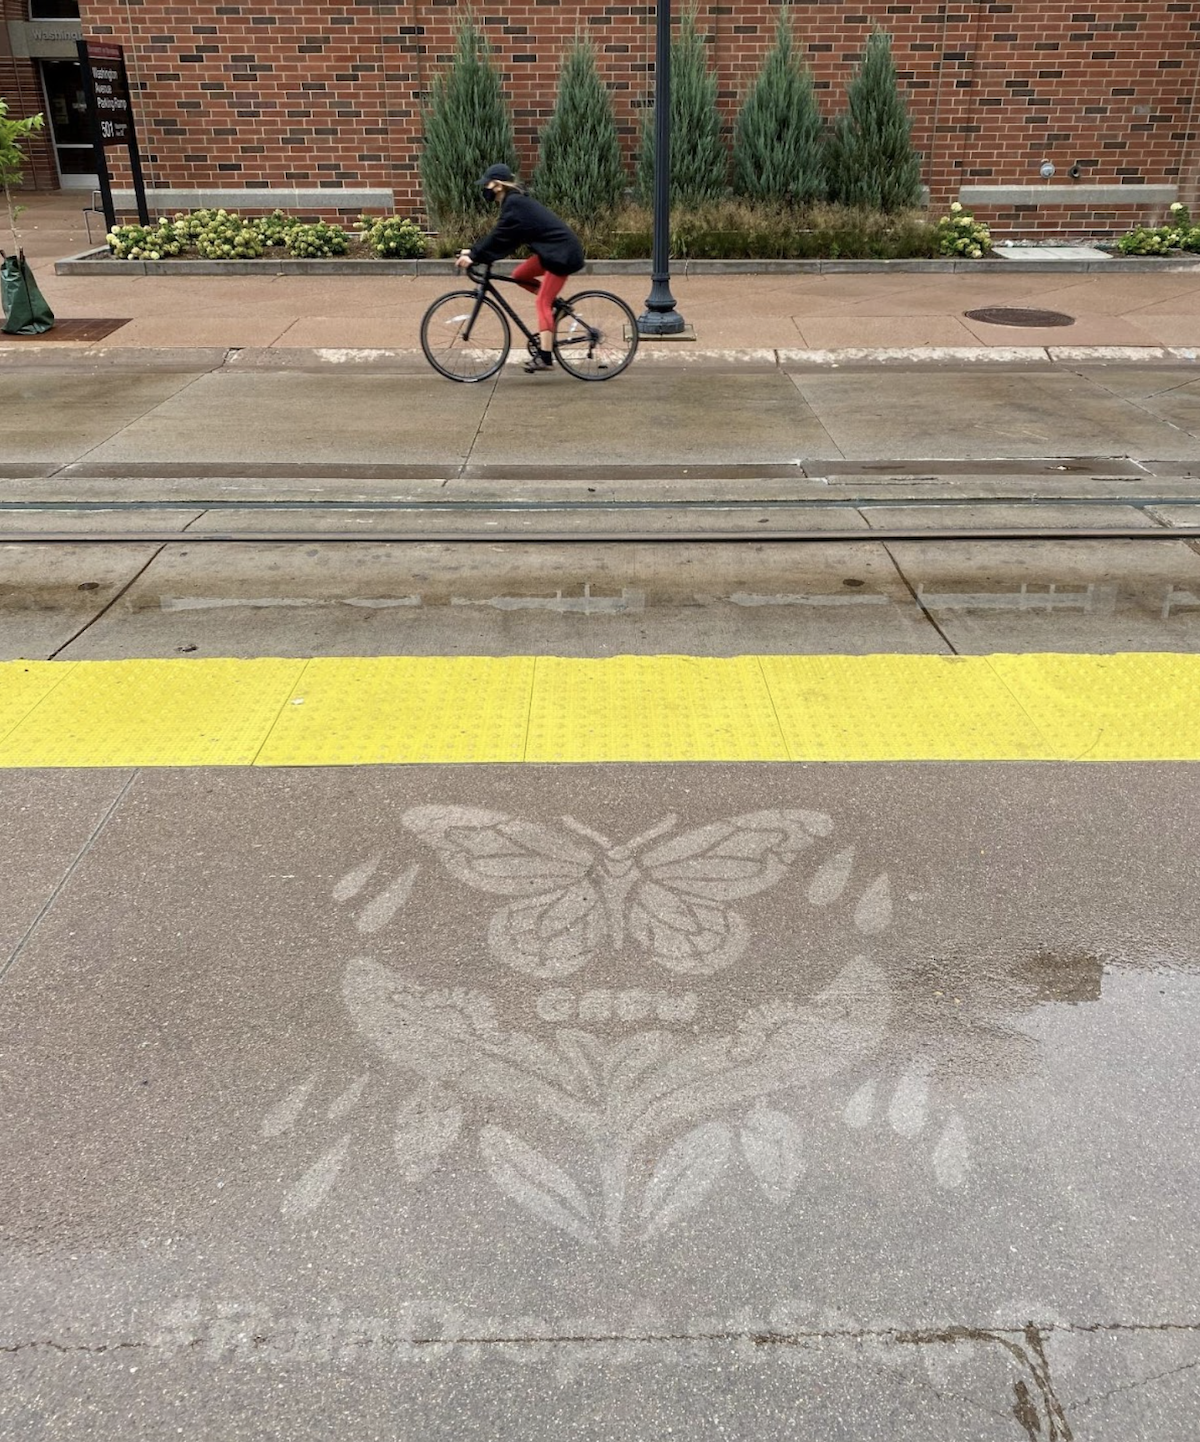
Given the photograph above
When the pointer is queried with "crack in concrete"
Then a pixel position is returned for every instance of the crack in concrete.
(1031, 1333)
(1034, 1406)
(1135, 1386)
(96, 1348)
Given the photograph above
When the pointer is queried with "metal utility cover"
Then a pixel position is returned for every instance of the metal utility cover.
(1004, 315)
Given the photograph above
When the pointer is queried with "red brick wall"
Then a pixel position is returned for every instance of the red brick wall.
(320, 92)
(21, 87)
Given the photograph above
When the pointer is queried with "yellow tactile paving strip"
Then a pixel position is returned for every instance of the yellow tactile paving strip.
(661, 708)
(353, 711)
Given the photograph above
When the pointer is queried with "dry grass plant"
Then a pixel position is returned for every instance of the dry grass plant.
(741, 230)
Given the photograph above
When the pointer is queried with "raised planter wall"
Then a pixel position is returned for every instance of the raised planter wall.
(100, 262)
(325, 94)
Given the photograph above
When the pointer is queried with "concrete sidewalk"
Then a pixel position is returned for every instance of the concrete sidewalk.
(70, 419)
(729, 313)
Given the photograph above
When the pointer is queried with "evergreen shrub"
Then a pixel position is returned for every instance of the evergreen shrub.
(580, 174)
(778, 147)
(699, 160)
(872, 162)
(468, 127)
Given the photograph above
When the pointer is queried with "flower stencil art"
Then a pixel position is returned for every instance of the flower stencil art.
(609, 1106)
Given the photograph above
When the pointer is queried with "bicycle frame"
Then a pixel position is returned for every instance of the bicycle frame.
(485, 285)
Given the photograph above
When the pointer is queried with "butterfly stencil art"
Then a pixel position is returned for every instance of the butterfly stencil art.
(575, 892)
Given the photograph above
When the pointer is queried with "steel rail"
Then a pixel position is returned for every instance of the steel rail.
(598, 537)
(597, 506)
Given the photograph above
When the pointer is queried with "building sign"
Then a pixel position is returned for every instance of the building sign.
(106, 86)
(44, 39)
(110, 89)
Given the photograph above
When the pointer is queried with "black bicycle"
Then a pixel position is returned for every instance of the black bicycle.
(466, 334)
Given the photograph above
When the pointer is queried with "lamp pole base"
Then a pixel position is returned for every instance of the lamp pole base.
(661, 322)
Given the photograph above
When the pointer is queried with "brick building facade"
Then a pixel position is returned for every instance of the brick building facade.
(324, 95)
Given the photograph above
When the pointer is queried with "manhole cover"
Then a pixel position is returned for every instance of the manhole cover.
(1002, 315)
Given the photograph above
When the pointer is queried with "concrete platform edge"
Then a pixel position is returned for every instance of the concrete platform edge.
(39, 352)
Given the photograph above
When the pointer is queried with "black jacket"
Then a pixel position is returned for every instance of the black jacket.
(524, 222)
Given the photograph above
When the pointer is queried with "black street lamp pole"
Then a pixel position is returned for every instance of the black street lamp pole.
(660, 316)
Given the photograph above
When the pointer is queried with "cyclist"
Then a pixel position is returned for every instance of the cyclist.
(557, 251)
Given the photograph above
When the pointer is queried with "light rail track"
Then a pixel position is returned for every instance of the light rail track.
(926, 535)
(422, 528)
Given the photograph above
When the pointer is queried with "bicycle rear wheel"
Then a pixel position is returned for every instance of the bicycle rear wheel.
(451, 351)
(595, 335)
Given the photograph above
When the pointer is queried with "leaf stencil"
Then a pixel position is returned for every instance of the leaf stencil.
(771, 1144)
(685, 1175)
(313, 1187)
(831, 879)
(377, 913)
(535, 1182)
(354, 881)
(349, 1099)
(951, 1156)
(422, 1138)
(909, 1109)
(861, 1107)
(874, 909)
(282, 1116)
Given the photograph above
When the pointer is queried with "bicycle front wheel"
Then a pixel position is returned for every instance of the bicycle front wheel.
(465, 338)
(595, 336)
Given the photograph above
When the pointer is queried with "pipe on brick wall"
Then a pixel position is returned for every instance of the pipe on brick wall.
(1189, 168)
(149, 158)
(931, 166)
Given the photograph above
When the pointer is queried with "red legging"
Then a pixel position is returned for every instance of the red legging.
(527, 273)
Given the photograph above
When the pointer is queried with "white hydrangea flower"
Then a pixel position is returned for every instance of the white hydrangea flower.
(955, 206)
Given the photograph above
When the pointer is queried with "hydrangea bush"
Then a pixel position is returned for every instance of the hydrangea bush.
(317, 242)
(213, 234)
(145, 242)
(392, 238)
(1178, 234)
(275, 228)
(962, 236)
(228, 237)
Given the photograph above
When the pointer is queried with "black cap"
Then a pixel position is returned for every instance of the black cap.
(495, 172)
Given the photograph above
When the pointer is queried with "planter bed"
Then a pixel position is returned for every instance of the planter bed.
(101, 262)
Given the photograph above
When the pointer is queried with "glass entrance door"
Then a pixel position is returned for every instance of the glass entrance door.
(66, 112)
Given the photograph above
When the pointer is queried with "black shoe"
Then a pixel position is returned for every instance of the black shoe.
(536, 363)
